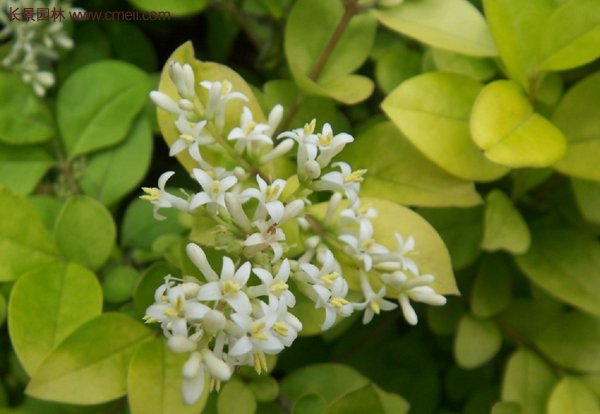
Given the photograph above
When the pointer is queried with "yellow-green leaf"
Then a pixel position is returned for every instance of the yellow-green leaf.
(571, 396)
(476, 342)
(504, 226)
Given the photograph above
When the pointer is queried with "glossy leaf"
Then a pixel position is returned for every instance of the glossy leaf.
(307, 38)
(517, 30)
(363, 400)
(85, 231)
(571, 396)
(476, 68)
(561, 261)
(111, 174)
(175, 9)
(476, 341)
(22, 168)
(583, 332)
(24, 119)
(395, 65)
(202, 71)
(309, 404)
(51, 301)
(504, 226)
(24, 241)
(236, 398)
(154, 381)
(577, 117)
(433, 111)
(454, 25)
(572, 36)
(91, 118)
(492, 287)
(73, 374)
(528, 381)
(119, 283)
(402, 174)
(505, 126)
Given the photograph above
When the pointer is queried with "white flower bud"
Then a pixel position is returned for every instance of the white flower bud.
(312, 242)
(164, 102)
(192, 366)
(213, 321)
(281, 149)
(180, 344)
(303, 223)
(197, 256)
(292, 210)
(45, 78)
(190, 289)
(234, 207)
(240, 173)
(186, 105)
(388, 266)
(312, 169)
(217, 367)
(334, 203)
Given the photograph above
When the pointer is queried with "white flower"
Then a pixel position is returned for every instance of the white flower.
(161, 199)
(286, 325)
(330, 145)
(190, 138)
(275, 287)
(326, 275)
(229, 287)
(334, 301)
(268, 198)
(344, 180)
(249, 132)
(214, 189)
(374, 302)
(268, 235)
(219, 94)
(363, 246)
(183, 78)
(193, 373)
(307, 166)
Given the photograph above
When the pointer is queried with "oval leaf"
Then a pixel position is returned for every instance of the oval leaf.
(402, 174)
(504, 125)
(91, 118)
(85, 231)
(22, 167)
(454, 25)
(504, 226)
(90, 365)
(433, 111)
(476, 341)
(24, 241)
(51, 301)
(561, 261)
(154, 382)
(236, 398)
(571, 396)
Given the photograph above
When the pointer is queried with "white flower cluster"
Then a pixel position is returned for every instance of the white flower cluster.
(34, 42)
(244, 313)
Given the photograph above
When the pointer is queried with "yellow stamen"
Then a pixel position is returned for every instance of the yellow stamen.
(338, 302)
(374, 305)
(230, 287)
(249, 127)
(367, 244)
(152, 194)
(329, 278)
(149, 319)
(171, 312)
(225, 88)
(310, 127)
(271, 192)
(187, 137)
(280, 328)
(355, 176)
(256, 331)
(279, 287)
(215, 187)
(325, 140)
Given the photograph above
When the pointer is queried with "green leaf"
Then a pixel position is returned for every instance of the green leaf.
(24, 241)
(111, 174)
(85, 231)
(443, 320)
(476, 68)
(561, 261)
(582, 351)
(476, 341)
(265, 389)
(329, 381)
(504, 125)
(51, 301)
(395, 65)
(517, 28)
(47, 207)
(236, 398)
(24, 119)
(307, 38)
(572, 36)
(119, 283)
(461, 229)
(454, 25)
(154, 381)
(363, 400)
(587, 196)
(433, 110)
(505, 407)
(402, 174)
(528, 381)
(577, 116)
(137, 50)
(492, 287)
(571, 396)
(202, 71)
(91, 118)
(22, 168)
(90, 365)
(391, 403)
(504, 226)
(309, 404)
(3, 310)
(140, 229)
(175, 9)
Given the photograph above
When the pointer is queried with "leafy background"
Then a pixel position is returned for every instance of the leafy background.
(481, 116)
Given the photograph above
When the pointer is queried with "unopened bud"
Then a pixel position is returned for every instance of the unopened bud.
(292, 210)
(180, 344)
(213, 321)
(197, 256)
(234, 207)
(217, 367)
(186, 105)
(278, 151)
(165, 102)
(192, 366)
(312, 169)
